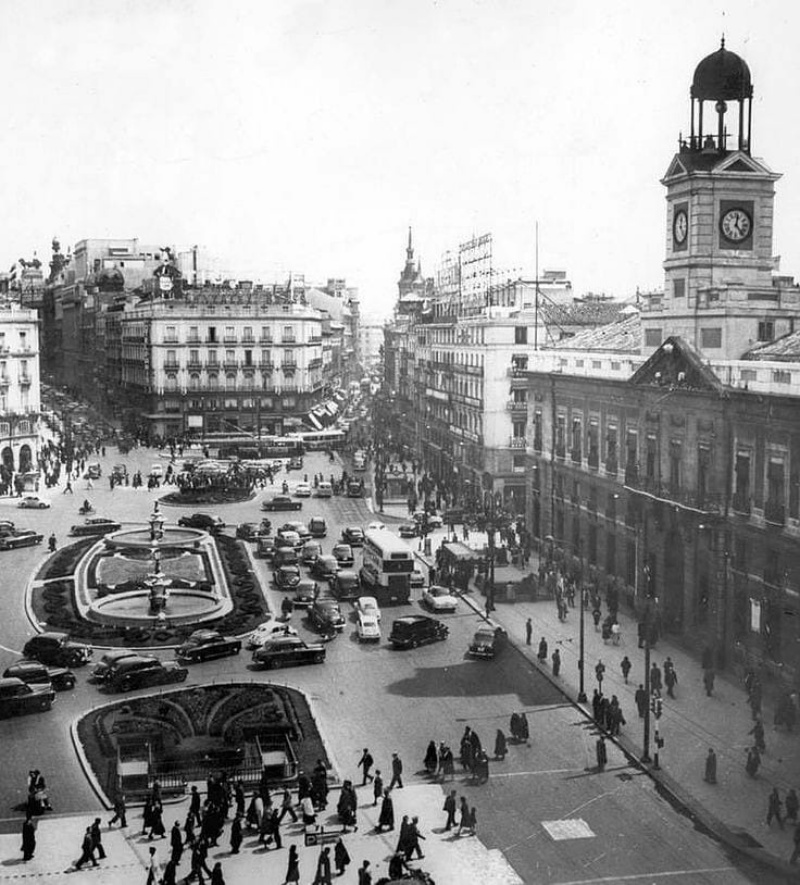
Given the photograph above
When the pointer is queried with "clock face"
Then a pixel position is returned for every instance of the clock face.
(736, 225)
(680, 226)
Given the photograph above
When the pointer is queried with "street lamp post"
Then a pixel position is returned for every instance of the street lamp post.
(582, 659)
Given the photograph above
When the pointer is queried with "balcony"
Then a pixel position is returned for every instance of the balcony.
(25, 380)
(517, 442)
(741, 503)
(593, 458)
(265, 340)
(517, 405)
(289, 339)
(229, 339)
(266, 365)
(575, 456)
(4, 381)
(172, 367)
(561, 451)
(612, 466)
(774, 513)
(193, 339)
(230, 365)
(703, 502)
(289, 366)
(194, 365)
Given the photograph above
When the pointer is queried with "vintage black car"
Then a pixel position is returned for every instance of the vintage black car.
(288, 651)
(486, 643)
(103, 668)
(205, 644)
(144, 672)
(252, 531)
(325, 568)
(204, 521)
(17, 697)
(21, 538)
(282, 502)
(414, 630)
(36, 673)
(343, 554)
(305, 593)
(346, 584)
(95, 526)
(57, 650)
(287, 577)
(353, 535)
(326, 616)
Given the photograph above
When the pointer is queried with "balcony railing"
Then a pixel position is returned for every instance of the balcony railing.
(517, 442)
(774, 513)
(611, 465)
(561, 450)
(266, 365)
(741, 503)
(171, 366)
(194, 365)
(289, 366)
(705, 502)
(575, 455)
(289, 339)
(4, 380)
(537, 443)
(25, 380)
(517, 405)
(230, 365)
(593, 458)
(229, 339)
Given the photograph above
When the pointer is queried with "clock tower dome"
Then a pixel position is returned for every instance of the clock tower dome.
(720, 288)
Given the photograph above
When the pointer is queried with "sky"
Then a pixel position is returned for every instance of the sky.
(306, 137)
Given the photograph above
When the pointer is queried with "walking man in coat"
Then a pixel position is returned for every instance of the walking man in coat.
(28, 838)
(602, 753)
(365, 762)
(450, 806)
(87, 850)
(97, 839)
(528, 631)
(711, 767)
(670, 677)
(397, 772)
(119, 811)
(774, 807)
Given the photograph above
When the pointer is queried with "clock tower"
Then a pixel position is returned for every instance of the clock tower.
(721, 289)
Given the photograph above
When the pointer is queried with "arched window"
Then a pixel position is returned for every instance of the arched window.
(194, 381)
(230, 381)
(171, 381)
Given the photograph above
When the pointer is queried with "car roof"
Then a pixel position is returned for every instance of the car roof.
(129, 663)
(26, 665)
(412, 619)
(51, 634)
(6, 681)
(282, 640)
(204, 634)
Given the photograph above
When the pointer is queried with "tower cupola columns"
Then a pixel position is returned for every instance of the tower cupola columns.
(724, 79)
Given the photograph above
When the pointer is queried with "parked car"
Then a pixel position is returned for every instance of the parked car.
(284, 555)
(302, 490)
(408, 530)
(305, 593)
(108, 661)
(93, 471)
(368, 605)
(21, 538)
(311, 551)
(287, 577)
(57, 650)
(156, 470)
(268, 630)
(7, 527)
(265, 548)
(17, 697)
(250, 531)
(119, 472)
(324, 490)
(144, 672)
(325, 567)
(344, 555)
(288, 651)
(318, 527)
(368, 628)
(294, 463)
(414, 630)
(36, 673)
(204, 521)
(346, 584)
(487, 642)
(281, 502)
(32, 502)
(353, 535)
(96, 526)
(202, 645)
(326, 615)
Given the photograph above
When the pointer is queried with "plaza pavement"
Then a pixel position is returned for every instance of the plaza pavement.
(734, 809)
(448, 857)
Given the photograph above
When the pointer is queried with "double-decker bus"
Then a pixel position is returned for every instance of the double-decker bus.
(387, 566)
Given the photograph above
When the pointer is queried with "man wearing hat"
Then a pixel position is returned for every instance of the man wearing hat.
(397, 772)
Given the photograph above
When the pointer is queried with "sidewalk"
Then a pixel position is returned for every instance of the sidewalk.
(735, 808)
(448, 858)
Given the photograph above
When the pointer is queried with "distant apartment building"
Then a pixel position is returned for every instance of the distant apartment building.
(19, 391)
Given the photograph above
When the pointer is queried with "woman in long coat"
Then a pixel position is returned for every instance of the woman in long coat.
(293, 866)
(500, 745)
(711, 767)
(386, 817)
(341, 858)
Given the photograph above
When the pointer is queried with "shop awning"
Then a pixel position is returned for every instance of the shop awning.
(311, 418)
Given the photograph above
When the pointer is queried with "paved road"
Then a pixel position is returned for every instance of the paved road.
(388, 700)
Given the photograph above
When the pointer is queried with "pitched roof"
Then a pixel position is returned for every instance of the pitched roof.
(785, 349)
(581, 313)
(622, 336)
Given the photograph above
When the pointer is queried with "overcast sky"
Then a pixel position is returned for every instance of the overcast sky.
(307, 136)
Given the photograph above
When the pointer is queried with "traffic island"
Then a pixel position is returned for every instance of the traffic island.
(55, 605)
(248, 732)
(207, 497)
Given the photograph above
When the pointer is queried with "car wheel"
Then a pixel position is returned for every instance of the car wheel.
(319, 658)
(414, 643)
(45, 705)
(125, 685)
(274, 663)
(68, 685)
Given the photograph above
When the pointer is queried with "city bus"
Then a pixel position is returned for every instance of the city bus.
(322, 439)
(254, 448)
(387, 566)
